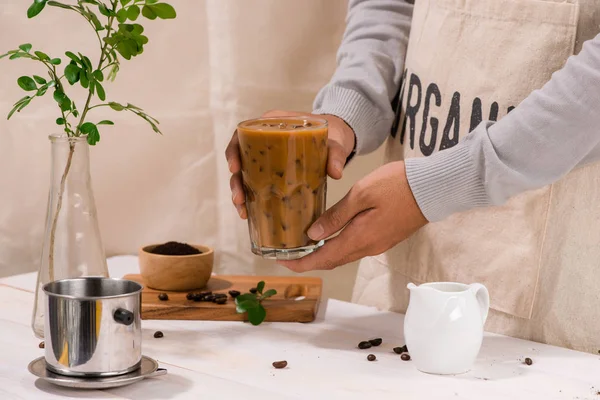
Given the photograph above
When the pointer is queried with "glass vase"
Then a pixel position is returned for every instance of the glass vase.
(72, 245)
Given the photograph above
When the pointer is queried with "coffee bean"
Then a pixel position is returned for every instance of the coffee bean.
(190, 296)
(234, 293)
(210, 297)
(398, 350)
(203, 294)
(280, 364)
(221, 300)
(220, 295)
(253, 290)
(364, 345)
(371, 357)
(42, 345)
(163, 297)
(376, 342)
(158, 334)
(405, 357)
(197, 297)
(528, 361)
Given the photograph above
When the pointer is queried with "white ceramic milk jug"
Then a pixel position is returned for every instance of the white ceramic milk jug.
(443, 327)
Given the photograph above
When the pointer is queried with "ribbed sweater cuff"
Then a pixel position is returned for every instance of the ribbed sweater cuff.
(355, 110)
(446, 183)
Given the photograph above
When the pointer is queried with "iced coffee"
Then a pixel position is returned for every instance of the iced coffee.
(284, 163)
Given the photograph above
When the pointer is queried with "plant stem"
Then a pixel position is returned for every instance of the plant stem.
(63, 182)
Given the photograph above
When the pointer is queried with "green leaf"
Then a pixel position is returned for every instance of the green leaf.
(148, 13)
(260, 287)
(94, 18)
(100, 91)
(55, 61)
(247, 297)
(133, 12)
(86, 62)
(257, 315)
(105, 11)
(83, 79)
(125, 2)
(242, 306)
(98, 75)
(36, 8)
(42, 56)
(19, 105)
(60, 5)
(25, 47)
(91, 130)
(59, 96)
(60, 121)
(269, 293)
(74, 58)
(105, 122)
(163, 10)
(26, 83)
(113, 73)
(39, 80)
(116, 106)
(72, 73)
(42, 91)
(122, 15)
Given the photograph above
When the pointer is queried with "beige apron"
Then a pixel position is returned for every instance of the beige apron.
(539, 254)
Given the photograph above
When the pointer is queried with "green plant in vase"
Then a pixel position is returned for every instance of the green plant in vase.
(72, 245)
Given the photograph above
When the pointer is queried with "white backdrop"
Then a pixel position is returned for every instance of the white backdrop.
(219, 62)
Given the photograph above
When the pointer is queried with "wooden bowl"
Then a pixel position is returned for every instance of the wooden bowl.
(176, 273)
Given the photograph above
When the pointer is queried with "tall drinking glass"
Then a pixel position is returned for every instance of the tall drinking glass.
(284, 169)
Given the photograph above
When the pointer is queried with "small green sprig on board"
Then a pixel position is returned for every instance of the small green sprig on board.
(251, 303)
(112, 22)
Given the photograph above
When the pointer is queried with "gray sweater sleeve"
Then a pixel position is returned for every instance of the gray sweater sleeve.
(553, 131)
(370, 61)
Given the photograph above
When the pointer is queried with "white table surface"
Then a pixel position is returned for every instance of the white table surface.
(232, 360)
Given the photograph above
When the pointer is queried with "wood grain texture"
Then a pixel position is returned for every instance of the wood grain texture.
(283, 307)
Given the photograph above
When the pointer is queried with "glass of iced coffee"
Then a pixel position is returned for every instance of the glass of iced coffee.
(284, 170)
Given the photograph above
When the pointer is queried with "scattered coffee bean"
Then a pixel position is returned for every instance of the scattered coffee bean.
(398, 350)
(371, 357)
(190, 296)
(197, 297)
(528, 361)
(280, 364)
(364, 345)
(234, 293)
(42, 345)
(376, 342)
(203, 294)
(405, 357)
(163, 297)
(253, 290)
(221, 300)
(210, 297)
(158, 334)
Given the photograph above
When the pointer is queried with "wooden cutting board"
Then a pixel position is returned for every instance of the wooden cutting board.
(297, 299)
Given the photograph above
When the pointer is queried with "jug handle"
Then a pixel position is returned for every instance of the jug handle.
(483, 298)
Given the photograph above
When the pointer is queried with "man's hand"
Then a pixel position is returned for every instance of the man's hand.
(378, 213)
(341, 143)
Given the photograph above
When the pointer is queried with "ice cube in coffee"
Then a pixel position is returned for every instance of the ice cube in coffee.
(284, 164)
